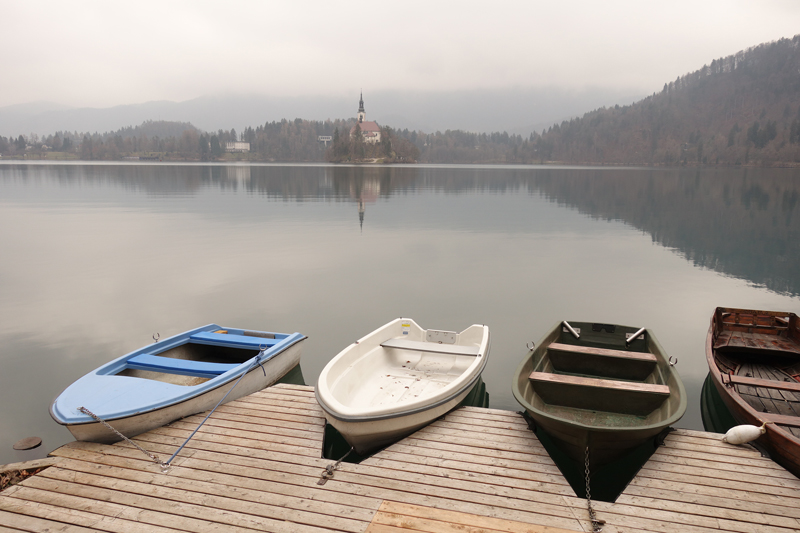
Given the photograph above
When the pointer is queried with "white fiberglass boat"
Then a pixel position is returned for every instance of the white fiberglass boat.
(398, 379)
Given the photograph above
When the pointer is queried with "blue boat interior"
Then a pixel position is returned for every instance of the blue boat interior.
(203, 354)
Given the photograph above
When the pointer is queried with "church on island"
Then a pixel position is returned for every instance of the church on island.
(370, 131)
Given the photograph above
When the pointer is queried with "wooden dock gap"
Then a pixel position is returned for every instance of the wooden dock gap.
(254, 466)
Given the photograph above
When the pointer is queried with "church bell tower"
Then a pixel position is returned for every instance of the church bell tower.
(361, 114)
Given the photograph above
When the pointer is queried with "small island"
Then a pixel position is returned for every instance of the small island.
(368, 142)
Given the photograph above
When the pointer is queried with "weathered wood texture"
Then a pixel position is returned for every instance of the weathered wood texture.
(255, 466)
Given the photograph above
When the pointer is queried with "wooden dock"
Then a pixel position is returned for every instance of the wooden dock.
(256, 462)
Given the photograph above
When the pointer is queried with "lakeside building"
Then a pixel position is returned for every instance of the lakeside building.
(370, 131)
(237, 146)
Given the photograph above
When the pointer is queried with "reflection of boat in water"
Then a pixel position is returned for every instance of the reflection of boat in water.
(398, 379)
(754, 365)
(177, 377)
(599, 387)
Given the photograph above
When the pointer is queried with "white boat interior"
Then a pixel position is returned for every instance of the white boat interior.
(399, 365)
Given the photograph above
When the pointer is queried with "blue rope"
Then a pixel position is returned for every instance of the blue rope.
(256, 362)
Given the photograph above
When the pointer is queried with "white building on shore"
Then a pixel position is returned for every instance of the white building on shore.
(237, 146)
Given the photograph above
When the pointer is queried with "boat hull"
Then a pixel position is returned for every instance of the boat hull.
(397, 380)
(778, 441)
(579, 424)
(367, 434)
(130, 426)
(98, 390)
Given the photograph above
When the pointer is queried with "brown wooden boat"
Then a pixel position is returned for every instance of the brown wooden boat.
(754, 363)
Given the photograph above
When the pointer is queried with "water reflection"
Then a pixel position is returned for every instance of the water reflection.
(99, 257)
(740, 222)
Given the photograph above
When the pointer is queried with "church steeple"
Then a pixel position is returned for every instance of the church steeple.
(361, 113)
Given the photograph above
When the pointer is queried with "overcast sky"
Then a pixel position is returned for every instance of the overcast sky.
(101, 54)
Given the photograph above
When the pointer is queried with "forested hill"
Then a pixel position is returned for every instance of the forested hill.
(740, 109)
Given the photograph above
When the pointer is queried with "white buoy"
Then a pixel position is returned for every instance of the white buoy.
(744, 433)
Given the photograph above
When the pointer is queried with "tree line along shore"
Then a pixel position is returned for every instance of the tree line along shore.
(743, 109)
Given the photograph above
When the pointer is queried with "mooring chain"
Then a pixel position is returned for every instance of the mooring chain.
(164, 466)
(597, 525)
(328, 472)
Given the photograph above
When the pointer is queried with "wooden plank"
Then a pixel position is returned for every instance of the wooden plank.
(231, 486)
(709, 456)
(488, 411)
(150, 509)
(383, 489)
(516, 422)
(467, 425)
(207, 495)
(244, 432)
(425, 450)
(553, 484)
(219, 435)
(247, 476)
(46, 514)
(300, 413)
(291, 389)
(302, 405)
(753, 469)
(604, 352)
(758, 382)
(526, 441)
(271, 393)
(709, 508)
(710, 471)
(601, 384)
(783, 420)
(28, 465)
(455, 465)
(269, 419)
(728, 492)
(314, 433)
(19, 522)
(727, 499)
(685, 475)
(431, 520)
(425, 483)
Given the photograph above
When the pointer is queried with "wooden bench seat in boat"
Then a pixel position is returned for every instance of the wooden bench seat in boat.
(781, 420)
(793, 386)
(227, 339)
(601, 362)
(624, 397)
(184, 367)
(433, 347)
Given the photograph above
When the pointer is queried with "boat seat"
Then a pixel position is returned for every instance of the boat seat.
(434, 347)
(624, 397)
(228, 339)
(601, 362)
(729, 380)
(184, 367)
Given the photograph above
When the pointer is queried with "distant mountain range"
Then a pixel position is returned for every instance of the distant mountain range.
(516, 110)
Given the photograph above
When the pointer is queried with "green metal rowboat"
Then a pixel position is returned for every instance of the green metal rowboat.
(604, 387)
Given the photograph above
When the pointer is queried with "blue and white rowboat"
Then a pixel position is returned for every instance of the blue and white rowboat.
(174, 378)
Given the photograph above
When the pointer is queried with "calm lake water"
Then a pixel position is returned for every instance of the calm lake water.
(96, 258)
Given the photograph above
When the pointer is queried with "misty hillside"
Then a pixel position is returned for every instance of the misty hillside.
(740, 109)
(516, 110)
(161, 128)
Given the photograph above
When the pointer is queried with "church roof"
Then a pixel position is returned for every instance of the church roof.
(367, 126)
